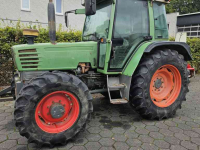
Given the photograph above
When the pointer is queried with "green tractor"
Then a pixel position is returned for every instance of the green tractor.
(124, 53)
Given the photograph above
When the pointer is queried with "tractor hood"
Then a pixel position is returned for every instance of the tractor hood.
(62, 56)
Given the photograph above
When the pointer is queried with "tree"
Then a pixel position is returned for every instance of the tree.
(183, 6)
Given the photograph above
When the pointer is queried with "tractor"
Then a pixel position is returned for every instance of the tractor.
(124, 54)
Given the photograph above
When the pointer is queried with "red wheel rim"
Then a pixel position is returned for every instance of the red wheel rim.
(70, 112)
(165, 86)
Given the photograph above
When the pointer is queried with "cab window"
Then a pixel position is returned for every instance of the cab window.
(161, 28)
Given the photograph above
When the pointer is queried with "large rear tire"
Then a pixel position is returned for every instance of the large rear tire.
(159, 85)
(52, 108)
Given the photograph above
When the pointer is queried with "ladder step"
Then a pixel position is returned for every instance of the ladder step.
(116, 86)
(119, 101)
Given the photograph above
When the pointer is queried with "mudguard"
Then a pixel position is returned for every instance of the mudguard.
(181, 47)
(148, 47)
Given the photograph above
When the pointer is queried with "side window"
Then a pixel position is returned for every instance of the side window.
(59, 7)
(161, 29)
(25, 5)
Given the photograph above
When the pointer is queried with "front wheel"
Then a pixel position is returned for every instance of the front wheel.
(52, 108)
(159, 85)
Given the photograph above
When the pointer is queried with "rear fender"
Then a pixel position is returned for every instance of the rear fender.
(181, 47)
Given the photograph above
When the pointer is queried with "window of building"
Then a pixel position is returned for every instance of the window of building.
(192, 30)
(25, 5)
(59, 7)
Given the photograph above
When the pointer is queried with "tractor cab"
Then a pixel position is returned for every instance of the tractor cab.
(121, 26)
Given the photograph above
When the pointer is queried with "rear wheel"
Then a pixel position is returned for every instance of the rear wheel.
(53, 108)
(159, 85)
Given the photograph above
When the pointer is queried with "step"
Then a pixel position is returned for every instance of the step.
(119, 101)
(116, 86)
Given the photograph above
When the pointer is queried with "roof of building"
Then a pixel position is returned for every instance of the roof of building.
(189, 14)
(188, 19)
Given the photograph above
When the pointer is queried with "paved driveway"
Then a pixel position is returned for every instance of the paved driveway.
(119, 127)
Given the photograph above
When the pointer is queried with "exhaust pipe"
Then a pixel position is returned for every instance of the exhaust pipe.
(52, 22)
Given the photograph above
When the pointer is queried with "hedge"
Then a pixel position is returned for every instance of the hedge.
(194, 44)
(10, 36)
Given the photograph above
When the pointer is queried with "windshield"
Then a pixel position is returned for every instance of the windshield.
(97, 26)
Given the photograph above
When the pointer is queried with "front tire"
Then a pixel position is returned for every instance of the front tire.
(52, 108)
(159, 85)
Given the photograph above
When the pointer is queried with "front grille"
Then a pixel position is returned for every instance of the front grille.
(29, 58)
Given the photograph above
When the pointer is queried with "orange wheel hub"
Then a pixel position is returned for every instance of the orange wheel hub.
(165, 86)
(57, 112)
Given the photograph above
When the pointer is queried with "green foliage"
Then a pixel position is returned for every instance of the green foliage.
(171, 38)
(10, 36)
(194, 44)
(183, 6)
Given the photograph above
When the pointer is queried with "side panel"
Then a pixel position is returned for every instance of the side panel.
(62, 56)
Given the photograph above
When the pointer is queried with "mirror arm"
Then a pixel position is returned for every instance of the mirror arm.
(66, 16)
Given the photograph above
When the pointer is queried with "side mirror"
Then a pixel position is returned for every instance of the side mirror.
(90, 7)
(77, 11)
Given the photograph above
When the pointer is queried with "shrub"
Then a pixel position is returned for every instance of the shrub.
(194, 44)
(10, 36)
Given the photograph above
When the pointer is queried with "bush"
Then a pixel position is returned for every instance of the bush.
(194, 44)
(10, 36)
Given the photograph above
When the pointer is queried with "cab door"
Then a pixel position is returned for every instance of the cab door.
(131, 28)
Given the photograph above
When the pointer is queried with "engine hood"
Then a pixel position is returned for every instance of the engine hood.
(62, 56)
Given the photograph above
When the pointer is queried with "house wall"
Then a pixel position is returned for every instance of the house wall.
(172, 23)
(11, 10)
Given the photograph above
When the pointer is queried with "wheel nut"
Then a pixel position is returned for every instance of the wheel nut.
(49, 123)
(38, 112)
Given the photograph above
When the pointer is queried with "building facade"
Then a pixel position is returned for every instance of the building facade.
(172, 24)
(187, 23)
(31, 12)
